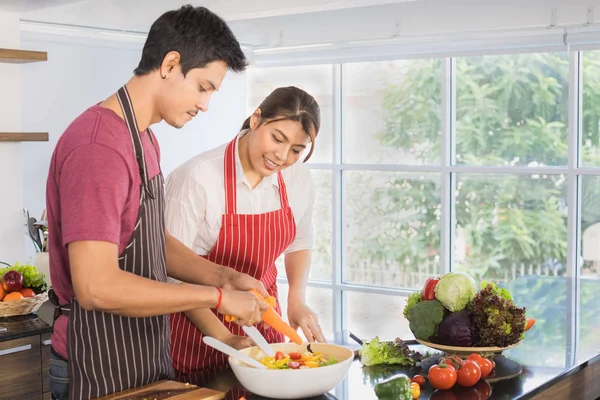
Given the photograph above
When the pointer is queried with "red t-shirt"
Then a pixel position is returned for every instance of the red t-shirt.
(92, 193)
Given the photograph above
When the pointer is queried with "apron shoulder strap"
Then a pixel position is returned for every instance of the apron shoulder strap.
(230, 178)
(138, 149)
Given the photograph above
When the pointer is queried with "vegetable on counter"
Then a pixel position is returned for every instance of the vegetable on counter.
(415, 390)
(458, 329)
(428, 292)
(397, 352)
(442, 376)
(424, 319)
(498, 321)
(396, 387)
(455, 290)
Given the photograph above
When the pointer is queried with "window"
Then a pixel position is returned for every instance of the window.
(462, 163)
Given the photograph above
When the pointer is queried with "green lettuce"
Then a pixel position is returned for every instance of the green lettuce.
(376, 352)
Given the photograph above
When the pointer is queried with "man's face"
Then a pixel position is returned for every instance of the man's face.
(182, 97)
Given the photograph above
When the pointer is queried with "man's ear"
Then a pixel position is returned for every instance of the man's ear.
(170, 63)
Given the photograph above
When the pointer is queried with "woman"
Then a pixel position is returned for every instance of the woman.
(231, 205)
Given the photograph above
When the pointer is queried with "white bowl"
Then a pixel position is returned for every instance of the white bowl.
(293, 383)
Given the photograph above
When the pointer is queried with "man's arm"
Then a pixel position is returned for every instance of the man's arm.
(101, 285)
(185, 265)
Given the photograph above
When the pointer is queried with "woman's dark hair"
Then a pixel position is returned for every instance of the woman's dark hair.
(294, 104)
(197, 34)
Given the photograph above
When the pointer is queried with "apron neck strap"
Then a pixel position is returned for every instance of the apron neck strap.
(231, 180)
(134, 133)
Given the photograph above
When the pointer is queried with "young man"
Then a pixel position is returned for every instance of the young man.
(110, 253)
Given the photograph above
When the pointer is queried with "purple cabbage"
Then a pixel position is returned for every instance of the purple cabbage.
(458, 329)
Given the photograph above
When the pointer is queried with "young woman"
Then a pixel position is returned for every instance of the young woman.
(242, 205)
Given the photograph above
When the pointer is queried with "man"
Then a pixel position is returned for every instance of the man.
(110, 253)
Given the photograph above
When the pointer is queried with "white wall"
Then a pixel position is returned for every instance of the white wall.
(11, 192)
(81, 72)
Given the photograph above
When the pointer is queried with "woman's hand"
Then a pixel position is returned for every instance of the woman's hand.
(301, 316)
(238, 342)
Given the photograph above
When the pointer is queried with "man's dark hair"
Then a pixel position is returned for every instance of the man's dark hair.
(197, 34)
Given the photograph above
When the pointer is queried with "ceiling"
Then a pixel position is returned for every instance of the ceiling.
(138, 15)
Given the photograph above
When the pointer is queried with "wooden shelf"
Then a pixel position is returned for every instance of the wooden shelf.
(22, 56)
(23, 136)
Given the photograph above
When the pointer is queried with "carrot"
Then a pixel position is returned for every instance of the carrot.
(273, 319)
(529, 324)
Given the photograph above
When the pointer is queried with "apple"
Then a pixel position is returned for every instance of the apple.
(12, 281)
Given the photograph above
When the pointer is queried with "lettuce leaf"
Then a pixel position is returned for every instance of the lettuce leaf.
(376, 352)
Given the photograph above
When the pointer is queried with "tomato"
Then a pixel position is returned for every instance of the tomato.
(469, 374)
(474, 357)
(419, 379)
(485, 365)
(442, 376)
(415, 390)
(295, 356)
(279, 355)
(428, 292)
(454, 361)
(293, 365)
(484, 389)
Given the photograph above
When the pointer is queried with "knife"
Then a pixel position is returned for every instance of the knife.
(259, 339)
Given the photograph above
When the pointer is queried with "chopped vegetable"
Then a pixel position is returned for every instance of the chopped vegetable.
(428, 292)
(499, 322)
(397, 352)
(455, 290)
(396, 387)
(411, 301)
(458, 329)
(306, 359)
(424, 319)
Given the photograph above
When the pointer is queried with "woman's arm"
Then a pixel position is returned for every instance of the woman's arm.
(210, 325)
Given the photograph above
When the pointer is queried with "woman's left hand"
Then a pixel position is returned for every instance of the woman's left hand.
(301, 316)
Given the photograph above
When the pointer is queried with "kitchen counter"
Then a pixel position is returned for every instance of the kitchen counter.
(22, 326)
(577, 382)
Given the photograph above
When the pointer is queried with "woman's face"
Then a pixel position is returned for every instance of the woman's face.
(273, 146)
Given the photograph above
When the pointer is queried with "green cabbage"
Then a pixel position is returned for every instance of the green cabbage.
(455, 290)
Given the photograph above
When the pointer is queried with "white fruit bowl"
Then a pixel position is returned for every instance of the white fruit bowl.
(293, 383)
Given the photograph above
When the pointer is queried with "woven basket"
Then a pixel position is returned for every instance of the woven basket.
(23, 306)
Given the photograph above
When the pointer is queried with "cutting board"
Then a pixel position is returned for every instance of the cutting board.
(170, 390)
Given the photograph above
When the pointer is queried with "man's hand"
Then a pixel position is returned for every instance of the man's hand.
(238, 281)
(244, 305)
(300, 315)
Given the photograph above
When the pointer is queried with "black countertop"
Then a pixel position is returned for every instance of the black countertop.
(558, 346)
(21, 326)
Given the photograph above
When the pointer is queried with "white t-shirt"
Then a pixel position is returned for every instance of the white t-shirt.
(195, 200)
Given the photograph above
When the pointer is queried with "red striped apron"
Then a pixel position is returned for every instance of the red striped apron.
(249, 243)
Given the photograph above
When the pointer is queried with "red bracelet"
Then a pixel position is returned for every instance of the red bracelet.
(220, 297)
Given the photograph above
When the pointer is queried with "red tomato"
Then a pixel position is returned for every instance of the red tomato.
(293, 365)
(428, 292)
(454, 361)
(485, 365)
(278, 356)
(474, 357)
(484, 389)
(295, 356)
(442, 376)
(419, 379)
(469, 374)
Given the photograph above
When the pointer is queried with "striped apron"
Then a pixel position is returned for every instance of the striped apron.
(248, 243)
(109, 353)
